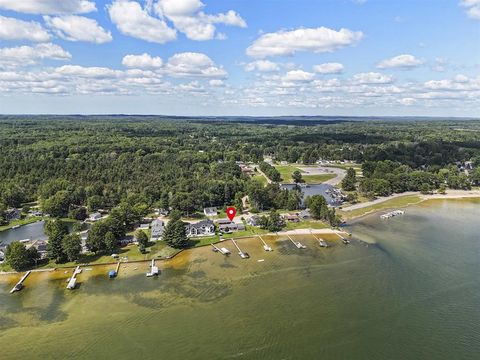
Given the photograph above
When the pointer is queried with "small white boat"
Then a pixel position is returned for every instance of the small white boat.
(267, 248)
(300, 245)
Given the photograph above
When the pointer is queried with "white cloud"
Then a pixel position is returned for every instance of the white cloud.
(190, 64)
(318, 40)
(144, 61)
(133, 20)
(372, 78)
(51, 7)
(328, 68)
(262, 66)
(216, 83)
(87, 72)
(407, 101)
(187, 17)
(298, 76)
(78, 28)
(15, 29)
(29, 55)
(473, 8)
(404, 61)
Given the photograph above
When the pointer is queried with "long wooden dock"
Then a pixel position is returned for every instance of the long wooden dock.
(242, 254)
(265, 246)
(222, 250)
(19, 285)
(72, 282)
(298, 244)
(345, 240)
(321, 242)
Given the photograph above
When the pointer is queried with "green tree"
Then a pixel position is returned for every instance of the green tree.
(56, 230)
(175, 234)
(350, 180)
(297, 177)
(142, 240)
(111, 242)
(18, 257)
(72, 246)
(96, 237)
(318, 207)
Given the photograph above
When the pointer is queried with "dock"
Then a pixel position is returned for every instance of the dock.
(265, 246)
(242, 254)
(392, 214)
(345, 240)
(19, 285)
(153, 269)
(113, 273)
(72, 282)
(298, 244)
(321, 242)
(222, 250)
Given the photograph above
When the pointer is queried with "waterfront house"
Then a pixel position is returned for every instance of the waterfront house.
(225, 225)
(304, 214)
(291, 217)
(210, 211)
(201, 228)
(158, 227)
(254, 220)
(12, 214)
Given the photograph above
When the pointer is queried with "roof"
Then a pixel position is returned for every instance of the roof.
(210, 210)
(201, 224)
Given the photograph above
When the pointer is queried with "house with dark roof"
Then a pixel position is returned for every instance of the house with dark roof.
(158, 227)
(226, 226)
(12, 214)
(201, 228)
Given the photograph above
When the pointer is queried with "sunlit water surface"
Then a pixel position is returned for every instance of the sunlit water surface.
(406, 288)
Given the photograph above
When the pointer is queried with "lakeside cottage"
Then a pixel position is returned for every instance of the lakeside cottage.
(304, 214)
(158, 227)
(201, 228)
(226, 226)
(291, 218)
(95, 216)
(210, 211)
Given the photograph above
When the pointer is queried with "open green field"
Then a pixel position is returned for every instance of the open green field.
(308, 224)
(401, 201)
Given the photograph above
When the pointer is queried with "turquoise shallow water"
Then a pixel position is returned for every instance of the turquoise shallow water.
(406, 288)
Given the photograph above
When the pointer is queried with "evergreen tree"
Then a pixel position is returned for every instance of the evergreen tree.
(297, 177)
(18, 257)
(175, 234)
(142, 240)
(56, 230)
(72, 246)
(349, 181)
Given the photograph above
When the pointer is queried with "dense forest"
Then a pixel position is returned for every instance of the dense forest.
(69, 162)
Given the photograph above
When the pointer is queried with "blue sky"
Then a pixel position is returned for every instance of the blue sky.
(241, 57)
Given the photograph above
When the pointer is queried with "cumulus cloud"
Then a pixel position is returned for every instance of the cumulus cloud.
(133, 20)
(405, 61)
(187, 17)
(262, 66)
(78, 28)
(29, 55)
(298, 76)
(144, 61)
(317, 40)
(372, 78)
(472, 8)
(191, 64)
(15, 29)
(328, 68)
(49, 7)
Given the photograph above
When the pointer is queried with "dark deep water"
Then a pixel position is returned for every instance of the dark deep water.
(412, 293)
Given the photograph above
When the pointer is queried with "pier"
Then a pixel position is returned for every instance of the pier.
(321, 242)
(72, 282)
(19, 285)
(296, 243)
(222, 250)
(242, 254)
(392, 214)
(153, 269)
(345, 240)
(265, 246)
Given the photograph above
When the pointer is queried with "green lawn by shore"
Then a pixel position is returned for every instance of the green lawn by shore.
(286, 172)
(21, 222)
(401, 201)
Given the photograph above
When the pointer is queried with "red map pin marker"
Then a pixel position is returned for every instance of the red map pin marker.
(231, 212)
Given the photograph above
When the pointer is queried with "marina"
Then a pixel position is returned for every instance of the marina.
(392, 214)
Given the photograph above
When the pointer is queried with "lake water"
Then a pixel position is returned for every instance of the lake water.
(32, 231)
(406, 288)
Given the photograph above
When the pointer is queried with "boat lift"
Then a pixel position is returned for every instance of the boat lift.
(72, 282)
(242, 254)
(265, 246)
(298, 244)
(221, 250)
(153, 269)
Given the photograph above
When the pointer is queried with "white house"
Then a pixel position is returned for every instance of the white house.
(95, 216)
(210, 211)
(158, 227)
(201, 228)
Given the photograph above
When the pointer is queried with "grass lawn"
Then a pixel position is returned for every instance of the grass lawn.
(20, 222)
(261, 179)
(317, 179)
(286, 172)
(401, 201)
(307, 224)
